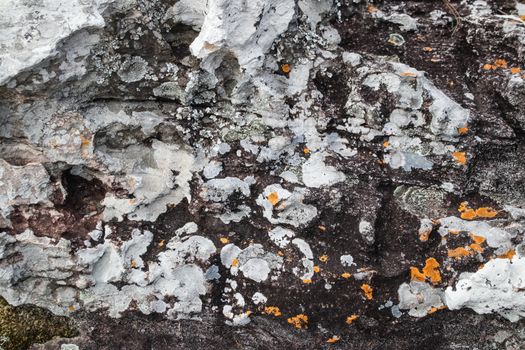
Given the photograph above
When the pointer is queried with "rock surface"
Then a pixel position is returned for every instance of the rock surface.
(262, 174)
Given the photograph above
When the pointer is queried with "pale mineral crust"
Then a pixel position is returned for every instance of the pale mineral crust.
(262, 174)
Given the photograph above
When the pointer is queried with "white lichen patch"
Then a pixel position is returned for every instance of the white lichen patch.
(419, 298)
(28, 184)
(93, 272)
(248, 37)
(281, 236)
(306, 270)
(317, 174)
(498, 287)
(347, 260)
(290, 209)
(496, 237)
(30, 31)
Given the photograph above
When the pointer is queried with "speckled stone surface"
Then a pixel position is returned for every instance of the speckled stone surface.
(262, 174)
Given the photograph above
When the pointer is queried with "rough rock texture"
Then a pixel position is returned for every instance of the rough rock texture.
(262, 174)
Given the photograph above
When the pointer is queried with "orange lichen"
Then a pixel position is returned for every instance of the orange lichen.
(307, 281)
(346, 275)
(133, 264)
(224, 240)
(460, 157)
(386, 144)
(235, 262)
(476, 247)
(508, 255)
(84, 141)
(488, 66)
(454, 231)
(161, 243)
(434, 309)
(486, 212)
(323, 258)
(463, 206)
(425, 234)
(306, 150)
(431, 270)
(351, 319)
(322, 228)
(428, 49)
(299, 321)
(71, 308)
(334, 339)
(459, 252)
(463, 131)
(501, 63)
(477, 239)
(408, 74)
(286, 68)
(367, 291)
(280, 253)
(468, 213)
(316, 269)
(515, 70)
(273, 198)
(272, 310)
(372, 9)
(415, 275)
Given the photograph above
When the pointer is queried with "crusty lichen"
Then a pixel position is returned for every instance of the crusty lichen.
(22, 326)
